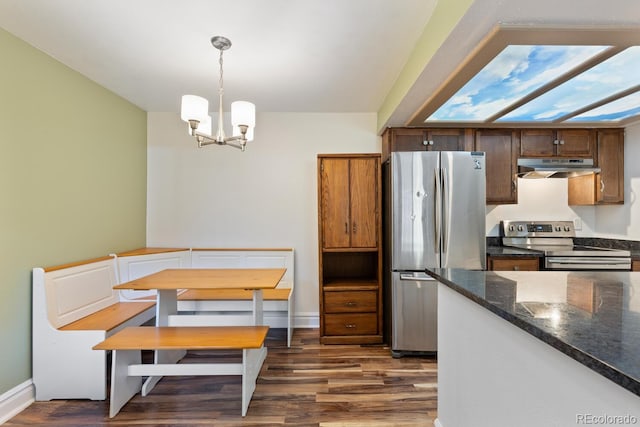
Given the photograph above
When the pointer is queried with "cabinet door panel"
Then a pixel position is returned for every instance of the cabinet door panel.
(575, 143)
(335, 203)
(611, 163)
(408, 140)
(537, 143)
(446, 140)
(500, 148)
(364, 210)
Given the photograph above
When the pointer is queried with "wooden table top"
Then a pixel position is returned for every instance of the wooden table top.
(208, 278)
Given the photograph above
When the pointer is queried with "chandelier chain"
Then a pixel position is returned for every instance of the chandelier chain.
(220, 83)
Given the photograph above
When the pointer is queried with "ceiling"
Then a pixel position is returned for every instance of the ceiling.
(287, 56)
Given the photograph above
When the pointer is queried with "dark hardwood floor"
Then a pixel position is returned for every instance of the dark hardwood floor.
(309, 384)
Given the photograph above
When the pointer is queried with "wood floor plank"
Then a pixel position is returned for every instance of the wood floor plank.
(308, 384)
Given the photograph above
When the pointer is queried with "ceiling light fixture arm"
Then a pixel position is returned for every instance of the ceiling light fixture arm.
(239, 141)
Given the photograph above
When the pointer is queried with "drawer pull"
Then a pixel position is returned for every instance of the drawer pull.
(350, 326)
(350, 304)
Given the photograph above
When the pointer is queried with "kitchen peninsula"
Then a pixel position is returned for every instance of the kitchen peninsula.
(552, 348)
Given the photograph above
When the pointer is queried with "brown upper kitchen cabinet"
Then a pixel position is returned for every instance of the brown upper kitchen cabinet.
(422, 139)
(576, 143)
(501, 147)
(606, 187)
(348, 201)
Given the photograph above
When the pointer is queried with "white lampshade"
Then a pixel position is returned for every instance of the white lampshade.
(194, 108)
(243, 113)
(205, 126)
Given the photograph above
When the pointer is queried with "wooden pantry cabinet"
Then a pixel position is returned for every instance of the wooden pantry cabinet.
(350, 250)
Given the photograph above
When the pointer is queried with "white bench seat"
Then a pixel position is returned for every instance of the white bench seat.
(74, 308)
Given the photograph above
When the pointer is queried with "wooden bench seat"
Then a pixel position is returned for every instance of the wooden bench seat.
(109, 318)
(127, 370)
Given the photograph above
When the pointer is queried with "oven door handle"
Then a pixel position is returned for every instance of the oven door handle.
(588, 260)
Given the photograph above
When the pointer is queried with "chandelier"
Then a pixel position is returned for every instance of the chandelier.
(195, 111)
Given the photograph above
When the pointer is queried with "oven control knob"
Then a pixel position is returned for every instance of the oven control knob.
(558, 228)
(567, 228)
(520, 228)
(512, 228)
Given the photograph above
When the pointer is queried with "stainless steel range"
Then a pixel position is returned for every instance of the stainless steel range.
(555, 240)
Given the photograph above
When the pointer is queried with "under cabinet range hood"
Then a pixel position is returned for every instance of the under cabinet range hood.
(554, 167)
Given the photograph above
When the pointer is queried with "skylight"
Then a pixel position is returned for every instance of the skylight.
(621, 109)
(515, 72)
(612, 76)
(593, 78)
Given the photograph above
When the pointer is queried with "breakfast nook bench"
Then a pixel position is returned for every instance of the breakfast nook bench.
(74, 308)
(127, 370)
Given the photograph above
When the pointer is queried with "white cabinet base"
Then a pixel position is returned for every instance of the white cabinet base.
(491, 373)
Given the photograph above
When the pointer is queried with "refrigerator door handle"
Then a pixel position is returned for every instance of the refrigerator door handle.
(413, 278)
(445, 210)
(437, 211)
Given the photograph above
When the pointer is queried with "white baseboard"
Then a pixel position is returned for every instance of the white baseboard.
(306, 320)
(15, 400)
(437, 423)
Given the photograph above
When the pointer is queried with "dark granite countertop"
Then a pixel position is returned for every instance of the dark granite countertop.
(593, 317)
(495, 248)
(505, 251)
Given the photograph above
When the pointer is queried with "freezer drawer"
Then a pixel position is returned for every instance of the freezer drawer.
(414, 313)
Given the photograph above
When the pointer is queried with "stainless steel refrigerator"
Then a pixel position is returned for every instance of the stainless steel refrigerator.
(434, 217)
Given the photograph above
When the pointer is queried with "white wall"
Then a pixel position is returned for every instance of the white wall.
(267, 196)
(539, 200)
(264, 197)
(544, 199)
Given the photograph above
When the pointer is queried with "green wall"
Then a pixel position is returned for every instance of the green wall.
(72, 182)
(445, 17)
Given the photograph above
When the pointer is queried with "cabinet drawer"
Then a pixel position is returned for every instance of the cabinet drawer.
(351, 324)
(514, 264)
(350, 302)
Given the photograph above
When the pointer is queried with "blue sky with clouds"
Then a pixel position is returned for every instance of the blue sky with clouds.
(519, 70)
